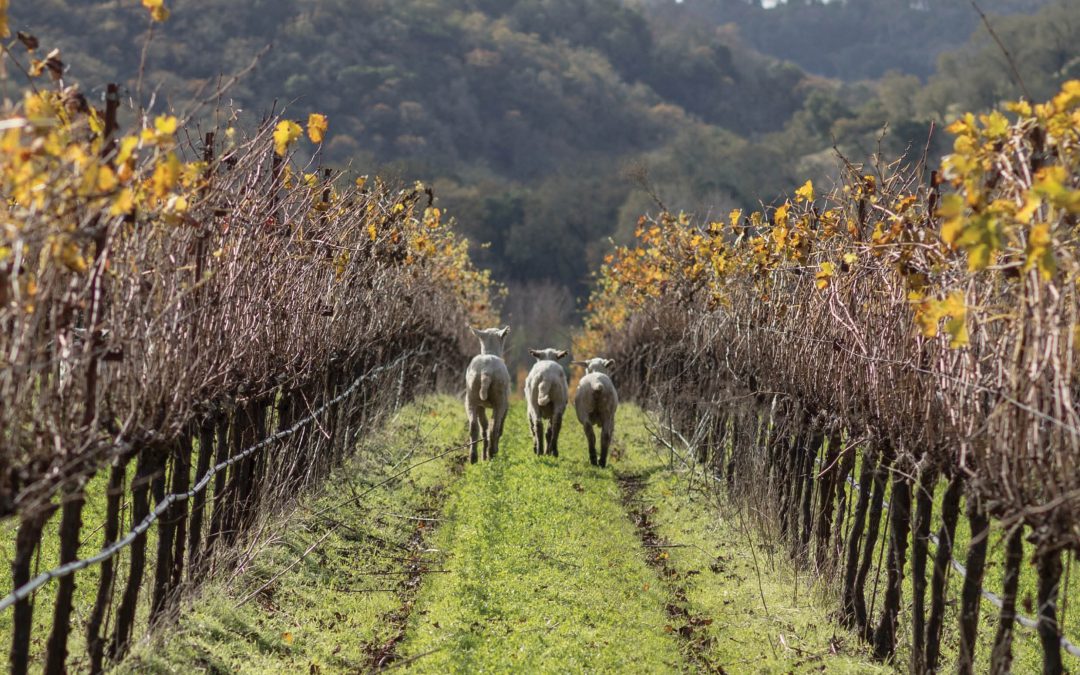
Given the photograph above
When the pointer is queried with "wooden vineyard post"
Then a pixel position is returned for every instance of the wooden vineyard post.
(1049, 568)
(218, 516)
(814, 442)
(825, 507)
(95, 642)
(147, 467)
(920, 540)
(877, 500)
(1001, 658)
(198, 505)
(166, 527)
(843, 505)
(70, 524)
(854, 538)
(950, 514)
(27, 539)
(180, 483)
(899, 526)
(971, 594)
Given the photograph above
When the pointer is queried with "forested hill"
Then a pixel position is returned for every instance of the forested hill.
(538, 120)
(519, 87)
(849, 39)
(534, 105)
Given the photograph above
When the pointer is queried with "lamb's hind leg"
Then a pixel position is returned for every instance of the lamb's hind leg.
(538, 434)
(474, 433)
(485, 430)
(555, 429)
(606, 432)
(498, 420)
(591, 437)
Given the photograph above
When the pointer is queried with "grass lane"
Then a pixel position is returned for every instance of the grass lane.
(547, 572)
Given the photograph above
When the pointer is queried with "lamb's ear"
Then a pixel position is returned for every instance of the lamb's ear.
(562, 354)
(536, 354)
(474, 331)
(504, 332)
(609, 363)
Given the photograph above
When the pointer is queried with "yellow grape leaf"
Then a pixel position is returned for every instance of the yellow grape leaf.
(806, 192)
(124, 203)
(996, 125)
(127, 149)
(951, 212)
(1069, 97)
(955, 308)
(316, 127)
(1040, 251)
(165, 125)
(1051, 184)
(929, 313)
(97, 125)
(285, 133)
(5, 30)
(371, 232)
(106, 179)
(734, 217)
(166, 175)
(1022, 108)
(1032, 204)
(177, 204)
(67, 253)
(158, 12)
(826, 272)
(979, 256)
(361, 182)
(850, 258)
(780, 217)
(287, 637)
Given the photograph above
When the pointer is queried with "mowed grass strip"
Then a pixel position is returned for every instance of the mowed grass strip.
(547, 573)
(749, 610)
(345, 565)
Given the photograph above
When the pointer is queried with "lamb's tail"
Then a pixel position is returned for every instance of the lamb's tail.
(543, 397)
(599, 394)
(485, 385)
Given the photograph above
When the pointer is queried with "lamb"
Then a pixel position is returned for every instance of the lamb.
(595, 402)
(546, 393)
(487, 384)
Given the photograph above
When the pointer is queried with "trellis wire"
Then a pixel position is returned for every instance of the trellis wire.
(26, 589)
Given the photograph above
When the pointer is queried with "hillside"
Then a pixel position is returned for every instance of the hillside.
(466, 93)
(853, 39)
(540, 121)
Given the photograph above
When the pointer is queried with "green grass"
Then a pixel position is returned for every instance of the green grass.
(92, 539)
(547, 572)
(766, 618)
(1027, 652)
(550, 575)
(330, 609)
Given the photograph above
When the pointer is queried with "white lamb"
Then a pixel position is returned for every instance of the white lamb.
(487, 384)
(546, 393)
(595, 402)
